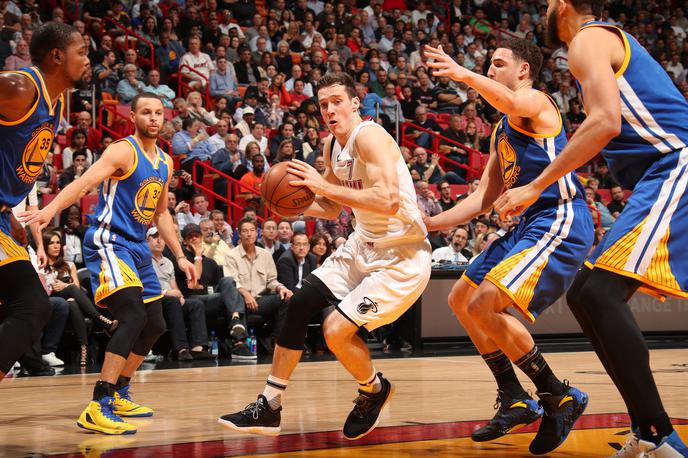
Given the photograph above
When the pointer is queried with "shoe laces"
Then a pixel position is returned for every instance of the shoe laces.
(362, 404)
(107, 410)
(255, 409)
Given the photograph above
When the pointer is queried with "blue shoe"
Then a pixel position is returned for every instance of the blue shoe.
(561, 412)
(671, 447)
(511, 415)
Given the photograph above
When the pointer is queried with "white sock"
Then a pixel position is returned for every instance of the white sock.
(274, 387)
(372, 385)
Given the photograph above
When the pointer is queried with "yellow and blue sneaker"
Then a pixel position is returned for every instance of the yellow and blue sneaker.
(561, 412)
(99, 417)
(125, 407)
(512, 414)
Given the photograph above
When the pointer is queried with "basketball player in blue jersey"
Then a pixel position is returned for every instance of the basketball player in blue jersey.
(533, 265)
(29, 114)
(638, 120)
(134, 174)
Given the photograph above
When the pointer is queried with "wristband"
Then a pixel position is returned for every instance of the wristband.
(181, 257)
(198, 258)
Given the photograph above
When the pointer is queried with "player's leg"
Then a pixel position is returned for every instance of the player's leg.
(263, 416)
(154, 328)
(395, 279)
(535, 273)
(27, 310)
(515, 407)
(127, 306)
(586, 319)
(606, 294)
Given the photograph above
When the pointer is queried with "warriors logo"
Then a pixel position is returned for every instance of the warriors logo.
(147, 200)
(507, 161)
(35, 153)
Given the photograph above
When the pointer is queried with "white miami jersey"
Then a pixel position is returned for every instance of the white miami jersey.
(406, 225)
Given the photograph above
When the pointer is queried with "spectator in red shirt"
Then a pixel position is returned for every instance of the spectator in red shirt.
(93, 136)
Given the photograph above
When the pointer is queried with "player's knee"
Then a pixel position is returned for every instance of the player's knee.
(477, 307)
(584, 295)
(307, 302)
(458, 299)
(338, 330)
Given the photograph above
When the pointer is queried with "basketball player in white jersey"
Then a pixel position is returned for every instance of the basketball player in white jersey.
(371, 280)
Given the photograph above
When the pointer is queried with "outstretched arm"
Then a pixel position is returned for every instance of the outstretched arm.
(590, 61)
(523, 104)
(117, 159)
(477, 203)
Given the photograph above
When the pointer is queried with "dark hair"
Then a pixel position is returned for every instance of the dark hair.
(527, 51)
(48, 37)
(589, 6)
(143, 95)
(250, 208)
(76, 132)
(314, 241)
(188, 122)
(199, 194)
(332, 79)
(246, 221)
(59, 266)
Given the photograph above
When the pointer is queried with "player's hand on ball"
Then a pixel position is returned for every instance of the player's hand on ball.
(309, 177)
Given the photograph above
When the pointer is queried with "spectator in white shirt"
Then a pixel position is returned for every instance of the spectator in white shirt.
(257, 135)
(453, 252)
(200, 62)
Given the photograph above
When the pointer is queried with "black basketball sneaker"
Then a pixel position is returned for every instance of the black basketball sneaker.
(256, 418)
(366, 412)
(561, 412)
(511, 415)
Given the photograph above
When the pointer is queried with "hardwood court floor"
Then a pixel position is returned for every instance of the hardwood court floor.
(438, 402)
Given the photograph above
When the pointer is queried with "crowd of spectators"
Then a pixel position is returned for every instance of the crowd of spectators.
(247, 100)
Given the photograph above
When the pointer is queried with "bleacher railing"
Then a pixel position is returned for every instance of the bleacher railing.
(182, 84)
(235, 209)
(140, 39)
(474, 156)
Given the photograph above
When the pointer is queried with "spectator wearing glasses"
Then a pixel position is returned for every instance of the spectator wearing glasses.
(130, 86)
(445, 200)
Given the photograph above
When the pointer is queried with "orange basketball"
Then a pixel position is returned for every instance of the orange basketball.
(280, 196)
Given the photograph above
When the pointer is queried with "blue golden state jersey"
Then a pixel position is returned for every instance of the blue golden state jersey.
(654, 114)
(127, 204)
(25, 143)
(524, 155)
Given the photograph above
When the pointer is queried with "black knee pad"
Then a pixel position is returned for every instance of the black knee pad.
(312, 298)
(128, 308)
(154, 328)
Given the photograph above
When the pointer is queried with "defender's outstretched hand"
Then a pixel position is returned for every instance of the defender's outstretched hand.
(444, 65)
(43, 217)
